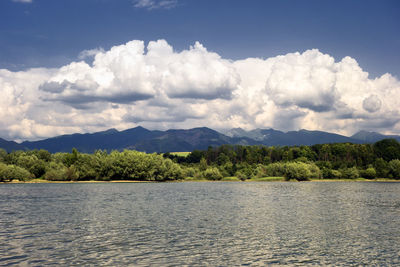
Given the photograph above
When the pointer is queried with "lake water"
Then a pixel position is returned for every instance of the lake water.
(206, 223)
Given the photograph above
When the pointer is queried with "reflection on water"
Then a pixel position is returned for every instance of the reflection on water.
(219, 223)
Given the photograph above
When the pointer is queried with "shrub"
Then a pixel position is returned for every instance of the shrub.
(189, 172)
(297, 170)
(369, 173)
(172, 171)
(350, 173)
(244, 173)
(241, 175)
(227, 169)
(275, 169)
(11, 172)
(331, 174)
(315, 171)
(212, 173)
(261, 171)
(336, 174)
(55, 172)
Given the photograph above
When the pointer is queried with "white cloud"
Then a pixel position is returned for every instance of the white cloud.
(23, 1)
(305, 80)
(126, 74)
(90, 53)
(372, 103)
(155, 4)
(157, 87)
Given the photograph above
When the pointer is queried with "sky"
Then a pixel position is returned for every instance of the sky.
(70, 66)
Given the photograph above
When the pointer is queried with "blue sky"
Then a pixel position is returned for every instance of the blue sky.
(70, 66)
(48, 33)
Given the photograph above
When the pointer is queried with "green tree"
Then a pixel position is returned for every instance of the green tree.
(388, 149)
(44, 155)
(11, 172)
(203, 164)
(3, 155)
(70, 159)
(382, 168)
(31, 163)
(394, 166)
(56, 171)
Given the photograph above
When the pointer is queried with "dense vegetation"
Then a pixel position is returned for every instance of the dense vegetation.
(75, 166)
(340, 161)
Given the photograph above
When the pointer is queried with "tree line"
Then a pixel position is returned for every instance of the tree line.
(322, 161)
(338, 160)
(75, 166)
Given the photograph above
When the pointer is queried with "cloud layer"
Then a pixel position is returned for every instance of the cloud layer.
(22, 1)
(155, 4)
(157, 87)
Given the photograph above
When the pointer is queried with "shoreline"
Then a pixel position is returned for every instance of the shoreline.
(41, 181)
(230, 179)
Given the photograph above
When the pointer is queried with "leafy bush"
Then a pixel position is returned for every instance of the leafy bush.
(189, 172)
(11, 172)
(350, 173)
(212, 173)
(275, 169)
(227, 169)
(172, 171)
(315, 171)
(293, 170)
(336, 174)
(261, 171)
(297, 170)
(244, 173)
(331, 174)
(241, 175)
(369, 173)
(55, 172)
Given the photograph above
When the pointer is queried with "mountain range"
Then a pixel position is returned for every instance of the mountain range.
(150, 141)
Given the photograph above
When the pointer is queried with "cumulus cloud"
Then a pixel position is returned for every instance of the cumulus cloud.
(157, 87)
(372, 103)
(90, 53)
(155, 4)
(305, 80)
(127, 74)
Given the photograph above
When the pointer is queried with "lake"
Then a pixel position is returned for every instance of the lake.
(200, 223)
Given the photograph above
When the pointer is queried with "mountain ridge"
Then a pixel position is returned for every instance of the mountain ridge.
(372, 137)
(175, 140)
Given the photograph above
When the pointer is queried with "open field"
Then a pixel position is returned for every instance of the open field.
(181, 154)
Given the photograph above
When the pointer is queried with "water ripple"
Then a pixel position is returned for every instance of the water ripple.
(200, 224)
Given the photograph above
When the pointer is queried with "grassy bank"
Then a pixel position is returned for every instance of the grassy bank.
(191, 179)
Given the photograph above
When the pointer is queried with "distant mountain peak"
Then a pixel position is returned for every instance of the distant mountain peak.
(372, 137)
(110, 131)
(142, 139)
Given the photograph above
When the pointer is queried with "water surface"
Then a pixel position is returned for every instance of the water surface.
(216, 223)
